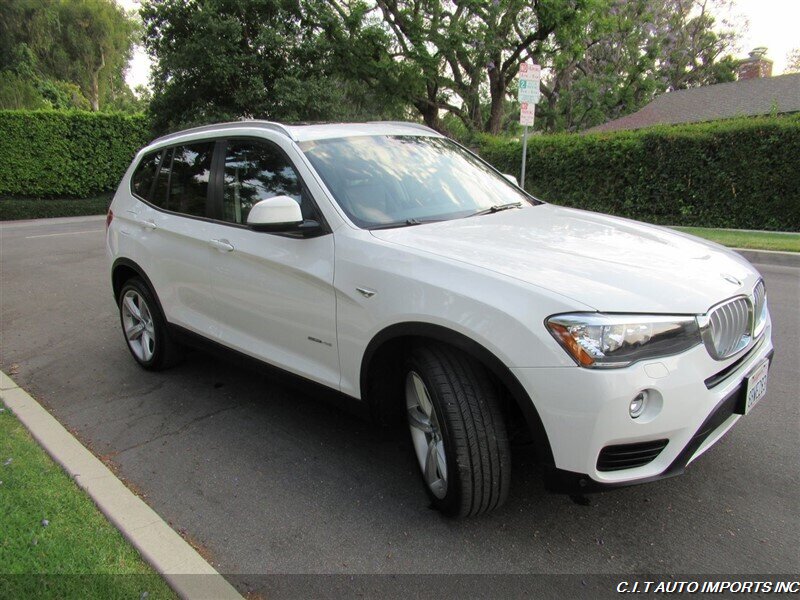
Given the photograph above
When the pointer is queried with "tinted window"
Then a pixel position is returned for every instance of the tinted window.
(188, 183)
(159, 197)
(255, 171)
(142, 181)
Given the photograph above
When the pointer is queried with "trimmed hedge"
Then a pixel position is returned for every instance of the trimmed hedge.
(12, 209)
(741, 173)
(48, 153)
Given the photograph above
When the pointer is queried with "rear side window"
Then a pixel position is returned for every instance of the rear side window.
(182, 182)
(190, 173)
(145, 174)
(161, 189)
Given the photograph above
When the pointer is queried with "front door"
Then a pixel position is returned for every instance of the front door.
(274, 291)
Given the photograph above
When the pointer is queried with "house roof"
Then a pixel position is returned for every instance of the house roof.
(747, 98)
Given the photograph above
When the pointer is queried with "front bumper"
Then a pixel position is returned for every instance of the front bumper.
(584, 411)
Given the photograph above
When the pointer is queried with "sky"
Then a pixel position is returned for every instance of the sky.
(773, 24)
(770, 23)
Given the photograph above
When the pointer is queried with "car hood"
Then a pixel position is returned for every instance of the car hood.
(603, 262)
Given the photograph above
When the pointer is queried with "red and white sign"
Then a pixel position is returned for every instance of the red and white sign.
(526, 113)
(530, 71)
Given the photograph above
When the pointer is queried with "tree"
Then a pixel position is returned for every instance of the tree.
(18, 92)
(793, 61)
(328, 59)
(86, 43)
(633, 50)
(229, 59)
(600, 58)
(95, 41)
(456, 56)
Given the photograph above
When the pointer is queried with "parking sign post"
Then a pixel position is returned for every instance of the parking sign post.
(528, 96)
(524, 156)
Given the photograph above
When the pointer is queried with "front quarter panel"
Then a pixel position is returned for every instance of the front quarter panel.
(502, 314)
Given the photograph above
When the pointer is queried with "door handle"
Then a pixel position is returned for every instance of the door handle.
(221, 245)
(147, 224)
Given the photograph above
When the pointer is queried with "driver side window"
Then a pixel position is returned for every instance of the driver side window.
(255, 171)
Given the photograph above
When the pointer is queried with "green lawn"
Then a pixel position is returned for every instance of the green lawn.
(54, 542)
(12, 209)
(755, 240)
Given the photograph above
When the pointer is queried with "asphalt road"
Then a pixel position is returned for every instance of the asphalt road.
(269, 480)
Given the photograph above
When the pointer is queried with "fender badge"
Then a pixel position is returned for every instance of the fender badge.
(366, 292)
(730, 279)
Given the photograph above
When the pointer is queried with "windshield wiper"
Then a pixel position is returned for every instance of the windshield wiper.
(404, 223)
(496, 208)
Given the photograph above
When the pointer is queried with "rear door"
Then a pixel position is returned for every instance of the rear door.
(173, 233)
(274, 291)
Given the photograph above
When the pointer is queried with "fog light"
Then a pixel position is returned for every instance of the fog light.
(638, 404)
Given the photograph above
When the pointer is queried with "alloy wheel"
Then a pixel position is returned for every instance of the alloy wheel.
(426, 435)
(138, 324)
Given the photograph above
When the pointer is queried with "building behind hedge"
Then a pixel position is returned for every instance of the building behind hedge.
(756, 93)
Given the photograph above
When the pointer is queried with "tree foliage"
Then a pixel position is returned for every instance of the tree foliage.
(453, 63)
(18, 92)
(629, 52)
(74, 52)
(793, 61)
(224, 59)
(456, 56)
(601, 58)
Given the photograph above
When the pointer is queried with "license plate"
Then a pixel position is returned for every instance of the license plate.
(756, 386)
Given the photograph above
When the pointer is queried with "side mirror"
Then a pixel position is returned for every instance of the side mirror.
(274, 214)
(511, 178)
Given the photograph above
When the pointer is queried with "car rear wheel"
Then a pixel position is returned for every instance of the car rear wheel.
(145, 328)
(457, 431)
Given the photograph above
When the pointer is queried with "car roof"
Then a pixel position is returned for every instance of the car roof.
(307, 132)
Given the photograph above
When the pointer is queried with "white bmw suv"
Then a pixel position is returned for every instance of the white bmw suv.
(390, 264)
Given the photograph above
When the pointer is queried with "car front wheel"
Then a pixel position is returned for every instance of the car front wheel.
(457, 431)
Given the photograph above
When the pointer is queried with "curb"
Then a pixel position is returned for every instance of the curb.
(21, 223)
(184, 570)
(770, 257)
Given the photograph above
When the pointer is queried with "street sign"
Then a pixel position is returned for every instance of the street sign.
(529, 70)
(528, 92)
(528, 95)
(529, 77)
(526, 113)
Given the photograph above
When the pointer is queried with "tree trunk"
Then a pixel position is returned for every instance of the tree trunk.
(428, 107)
(429, 112)
(94, 96)
(472, 109)
(497, 92)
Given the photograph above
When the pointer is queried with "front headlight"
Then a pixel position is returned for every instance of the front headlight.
(597, 340)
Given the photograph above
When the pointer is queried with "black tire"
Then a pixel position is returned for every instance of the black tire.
(476, 446)
(165, 352)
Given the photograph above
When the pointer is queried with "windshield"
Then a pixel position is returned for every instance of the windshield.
(395, 180)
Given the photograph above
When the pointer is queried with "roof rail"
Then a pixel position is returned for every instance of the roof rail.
(229, 125)
(419, 126)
